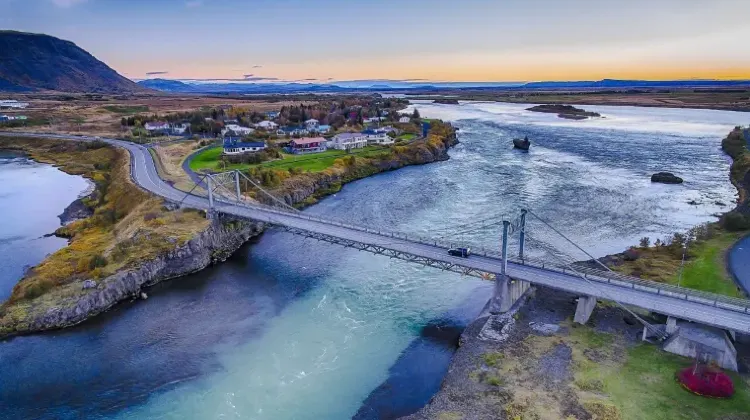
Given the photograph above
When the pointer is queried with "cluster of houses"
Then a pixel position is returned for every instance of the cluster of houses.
(163, 127)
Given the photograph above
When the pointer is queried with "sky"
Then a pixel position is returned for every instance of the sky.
(435, 40)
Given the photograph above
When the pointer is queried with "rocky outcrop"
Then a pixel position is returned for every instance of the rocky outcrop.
(215, 244)
(666, 178)
(564, 111)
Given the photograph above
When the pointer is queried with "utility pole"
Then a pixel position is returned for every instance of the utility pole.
(237, 184)
(522, 234)
(506, 225)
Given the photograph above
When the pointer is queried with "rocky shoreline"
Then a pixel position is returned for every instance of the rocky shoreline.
(217, 243)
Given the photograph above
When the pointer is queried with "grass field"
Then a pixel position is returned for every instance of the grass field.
(210, 159)
(406, 137)
(611, 380)
(705, 267)
(126, 109)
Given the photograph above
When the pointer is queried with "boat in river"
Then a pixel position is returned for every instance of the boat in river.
(522, 144)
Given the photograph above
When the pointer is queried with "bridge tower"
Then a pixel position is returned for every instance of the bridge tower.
(508, 291)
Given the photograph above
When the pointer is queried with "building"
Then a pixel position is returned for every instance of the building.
(10, 103)
(234, 146)
(377, 137)
(272, 115)
(373, 120)
(323, 129)
(236, 129)
(180, 128)
(307, 145)
(404, 119)
(267, 125)
(156, 126)
(346, 141)
(312, 124)
(292, 131)
(4, 118)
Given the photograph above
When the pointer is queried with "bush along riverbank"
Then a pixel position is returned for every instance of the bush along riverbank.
(132, 240)
(300, 188)
(707, 245)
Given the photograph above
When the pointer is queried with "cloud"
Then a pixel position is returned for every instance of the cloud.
(154, 73)
(257, 66)
(247, 76)
(247, 79)
(257, 79)
(67, 3)
(191, 4)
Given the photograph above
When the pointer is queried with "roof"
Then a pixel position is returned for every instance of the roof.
(372, 132)
(291, 129)
(345, 136)
(308, 140)
(311, 120)
(232, 143)
(324, 127)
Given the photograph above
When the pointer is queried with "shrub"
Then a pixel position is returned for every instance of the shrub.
(735, 221)
(97, 261)
(706, 381)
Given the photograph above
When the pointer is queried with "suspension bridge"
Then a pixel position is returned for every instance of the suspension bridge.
(513, 275)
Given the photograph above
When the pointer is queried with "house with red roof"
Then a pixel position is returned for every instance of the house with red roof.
(307, 145)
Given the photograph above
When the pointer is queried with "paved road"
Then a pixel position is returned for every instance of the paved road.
(705, 308)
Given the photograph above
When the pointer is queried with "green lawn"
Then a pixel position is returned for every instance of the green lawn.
(706, 270)
(211, 159)
(406, 137)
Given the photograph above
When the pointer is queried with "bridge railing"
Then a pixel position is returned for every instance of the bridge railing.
(591, 274)
(601, 276)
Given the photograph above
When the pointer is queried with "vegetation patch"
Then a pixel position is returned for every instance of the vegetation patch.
(128, 226)
(126, 109)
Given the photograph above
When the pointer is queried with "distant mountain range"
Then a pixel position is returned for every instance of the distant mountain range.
(193, 86)
(33, 62)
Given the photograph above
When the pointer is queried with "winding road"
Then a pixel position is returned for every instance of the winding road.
(705, 308)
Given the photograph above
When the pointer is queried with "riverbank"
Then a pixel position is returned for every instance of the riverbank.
(708, 245)
(546, 367)
(131, 241)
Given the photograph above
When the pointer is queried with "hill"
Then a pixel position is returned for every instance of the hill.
(31, 62)
(167, 85)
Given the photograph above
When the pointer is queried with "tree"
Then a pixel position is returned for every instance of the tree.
(645, 242)
(415, 114)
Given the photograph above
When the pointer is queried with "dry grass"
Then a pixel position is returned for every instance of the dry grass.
(128, 227)
(169, 160)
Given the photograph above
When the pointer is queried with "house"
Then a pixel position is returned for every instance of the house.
(312, 124)
(307, 145)
(4, 118)
(10, 103)
(236, 129)
(180, 128)
(346, 141)
(267, 125)
(156, 126)
(272, 115)
(293, 131)
(404, 119)
(373, 120)
(377, 137)
(323, 129)
(235, 146)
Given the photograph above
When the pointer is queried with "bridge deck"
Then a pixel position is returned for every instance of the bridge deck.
(687, 304)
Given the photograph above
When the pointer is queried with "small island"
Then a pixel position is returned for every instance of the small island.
(446, 101)
(565, 111)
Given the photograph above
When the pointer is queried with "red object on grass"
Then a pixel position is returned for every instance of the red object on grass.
(706, 381)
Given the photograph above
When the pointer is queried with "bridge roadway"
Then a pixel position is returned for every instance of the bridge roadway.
(705, 308)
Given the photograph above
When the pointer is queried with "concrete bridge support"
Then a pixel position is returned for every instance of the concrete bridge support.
(585, 307)
(507, 293)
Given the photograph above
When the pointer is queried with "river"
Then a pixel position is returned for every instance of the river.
(290, 328)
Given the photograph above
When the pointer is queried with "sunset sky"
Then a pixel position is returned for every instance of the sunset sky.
(467, 40)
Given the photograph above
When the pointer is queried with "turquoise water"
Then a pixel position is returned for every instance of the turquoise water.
(291, 328)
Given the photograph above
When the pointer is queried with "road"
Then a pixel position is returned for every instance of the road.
(705, 308)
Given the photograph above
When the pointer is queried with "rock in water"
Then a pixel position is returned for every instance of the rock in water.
(144, 296)
(666, 178)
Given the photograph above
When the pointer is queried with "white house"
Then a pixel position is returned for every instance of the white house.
(267, 125)
(292, 131)
(322, 129)
(377, 137)
(346, 141)
(237, 129)
(237, 147)
(312, 124)
(156, 126)
(404, 119)
(372, 120)
(180, 128)
(10, 103)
